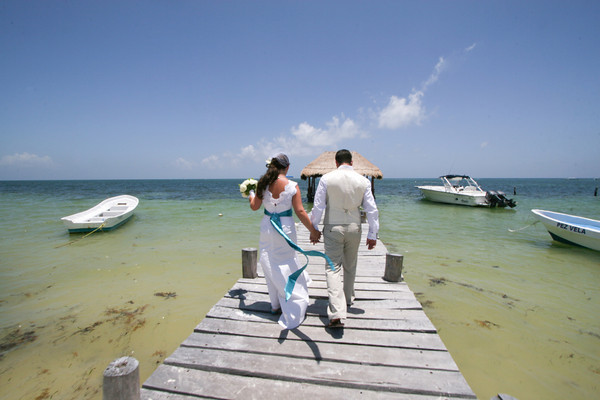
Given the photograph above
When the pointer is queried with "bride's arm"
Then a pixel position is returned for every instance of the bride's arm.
(255, 202)
(301, 212)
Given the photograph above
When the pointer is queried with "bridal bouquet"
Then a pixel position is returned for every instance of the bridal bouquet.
(247, 186)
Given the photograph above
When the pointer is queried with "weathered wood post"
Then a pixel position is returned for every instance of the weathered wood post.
(249, 256)
(122, 380)
(393, 267)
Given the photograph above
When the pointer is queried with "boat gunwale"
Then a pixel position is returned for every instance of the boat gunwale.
(595, 227)
(99, 208)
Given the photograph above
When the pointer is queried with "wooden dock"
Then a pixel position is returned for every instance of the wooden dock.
(388, 349)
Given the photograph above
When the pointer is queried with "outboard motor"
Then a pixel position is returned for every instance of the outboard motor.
(506, 201)
(498, 199)
(492, 198)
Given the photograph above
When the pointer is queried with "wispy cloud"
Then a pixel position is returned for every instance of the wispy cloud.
(210, 162)
(26, 160)
(437, 70)
(248, 151)
(184, 164)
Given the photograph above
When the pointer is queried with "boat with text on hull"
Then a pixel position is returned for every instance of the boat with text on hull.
(107, 215)
(464, 190)
(570, 229)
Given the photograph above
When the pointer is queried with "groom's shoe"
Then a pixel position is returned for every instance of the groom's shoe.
(335, 323)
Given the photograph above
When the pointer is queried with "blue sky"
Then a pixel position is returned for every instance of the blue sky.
(210, 89)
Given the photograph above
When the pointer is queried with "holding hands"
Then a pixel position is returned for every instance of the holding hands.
(315, 236)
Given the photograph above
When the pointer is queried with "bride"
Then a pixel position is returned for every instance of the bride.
(277, 257)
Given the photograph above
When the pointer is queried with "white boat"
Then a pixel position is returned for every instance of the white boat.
(571, 228)
(463, 190)
(109, 214)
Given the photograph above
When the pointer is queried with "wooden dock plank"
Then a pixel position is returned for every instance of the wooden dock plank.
(413, 340)
(398, 324)
(318, 306)
(388, 348)
(295, 345)
(376, 309)
(350, 375)
(173, 383)
(322, 292)
(318, 282)
(244, 297)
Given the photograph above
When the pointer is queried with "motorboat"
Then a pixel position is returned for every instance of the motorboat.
(464, 190)
(105, 216)
(570, 229)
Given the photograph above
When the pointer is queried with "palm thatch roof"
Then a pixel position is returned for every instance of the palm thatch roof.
(326, 163)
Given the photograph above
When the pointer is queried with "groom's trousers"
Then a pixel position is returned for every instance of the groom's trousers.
(341, 246)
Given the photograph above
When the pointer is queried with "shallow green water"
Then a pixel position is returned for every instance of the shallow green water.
(518, 312)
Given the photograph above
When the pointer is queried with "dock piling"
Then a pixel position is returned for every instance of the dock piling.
(249, 257)
(121, 380)
(393, 267)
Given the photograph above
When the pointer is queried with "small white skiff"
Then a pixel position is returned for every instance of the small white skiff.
(108, 215)
(571, 228)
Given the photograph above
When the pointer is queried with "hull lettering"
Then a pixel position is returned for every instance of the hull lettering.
(570, 228)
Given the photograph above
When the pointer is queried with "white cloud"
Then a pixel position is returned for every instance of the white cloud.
(471, 47)
(248, 151)
(336, 130)
(302, 140)
(401, 112)
(182, 163)
(26, 160)
(211, 161)
(484, 145)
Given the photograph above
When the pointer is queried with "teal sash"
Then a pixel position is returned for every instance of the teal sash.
(276, 222)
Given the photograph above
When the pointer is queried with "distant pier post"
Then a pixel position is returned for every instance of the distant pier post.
(393, 267)
(363, 217)
(122, 380)
(249, 256)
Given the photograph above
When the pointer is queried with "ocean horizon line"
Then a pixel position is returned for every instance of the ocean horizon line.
(240, 178)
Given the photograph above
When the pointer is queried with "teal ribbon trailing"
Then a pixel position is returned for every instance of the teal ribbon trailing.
(275, 219)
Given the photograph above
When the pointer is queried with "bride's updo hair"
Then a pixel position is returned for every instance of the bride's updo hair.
(277, 164)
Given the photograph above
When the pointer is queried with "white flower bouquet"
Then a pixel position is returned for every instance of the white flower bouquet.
(247, 186)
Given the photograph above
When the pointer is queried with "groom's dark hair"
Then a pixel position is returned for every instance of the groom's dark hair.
(343, 157)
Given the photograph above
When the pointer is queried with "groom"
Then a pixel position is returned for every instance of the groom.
(340, 194)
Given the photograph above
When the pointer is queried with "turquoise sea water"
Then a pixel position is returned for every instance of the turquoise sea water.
(519, 313)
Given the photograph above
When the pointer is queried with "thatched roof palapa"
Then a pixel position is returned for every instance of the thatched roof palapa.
(326, 163)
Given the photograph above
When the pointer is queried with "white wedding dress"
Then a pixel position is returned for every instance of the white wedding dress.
(278, 260)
